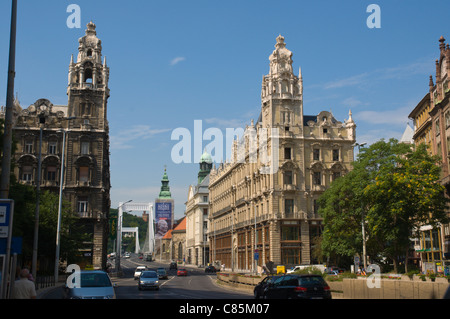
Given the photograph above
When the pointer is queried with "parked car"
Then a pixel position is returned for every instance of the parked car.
(138, 271)
(162, 273)
(148, 279)
(173, 265)
(93, 284)
(298, 287)
(182, 272)
(258, 291)
(210, 268)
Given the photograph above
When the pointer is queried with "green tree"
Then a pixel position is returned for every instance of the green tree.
(394, 189)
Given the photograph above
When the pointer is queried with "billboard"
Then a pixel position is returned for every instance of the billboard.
(163, 218)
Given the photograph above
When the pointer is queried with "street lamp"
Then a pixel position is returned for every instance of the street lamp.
(61, 182)
(38, 193)
(363, 230)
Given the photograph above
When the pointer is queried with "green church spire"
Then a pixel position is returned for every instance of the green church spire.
(165, 189)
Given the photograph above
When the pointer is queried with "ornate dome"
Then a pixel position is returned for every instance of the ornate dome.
(206, 158)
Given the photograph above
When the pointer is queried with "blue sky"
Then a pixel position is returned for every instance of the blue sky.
(173, 62)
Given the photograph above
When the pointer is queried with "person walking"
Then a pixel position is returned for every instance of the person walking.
(24, 288)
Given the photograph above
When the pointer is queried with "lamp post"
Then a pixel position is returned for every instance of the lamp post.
(61, 183)
(38, 193)
(363, 230)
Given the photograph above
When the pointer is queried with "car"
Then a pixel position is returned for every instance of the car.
(138, 271)
(182, 272)
(298, 287)
(162, 273)
(210, 268)
(127, 255)
(258, 291)
(173, 265)
(148, 279)
(94, 284)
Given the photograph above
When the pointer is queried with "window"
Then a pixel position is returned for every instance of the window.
(84, 148)
(335, 155)
(325, 131)
(84, 174)
(82, 204)
(205, 199)
(288, 178)
(315, 207)
(316, 154)
(27, 173)
(52, 148)
(290, 233)
(205, 211)
(289, 206)
(287, 153)
(51, 173)
(317, 178)
(29, 147)
(438, 127)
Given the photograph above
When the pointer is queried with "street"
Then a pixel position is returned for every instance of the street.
(197, 285)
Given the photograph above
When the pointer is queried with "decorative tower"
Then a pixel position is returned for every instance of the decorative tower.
(87, 181)
(88, 83)
(165, 189)
(205, 166)
(164, 209)
(282, 92)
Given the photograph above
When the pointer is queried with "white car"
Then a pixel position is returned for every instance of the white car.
(138, 271)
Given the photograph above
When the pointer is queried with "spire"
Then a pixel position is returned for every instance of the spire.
(165, 189)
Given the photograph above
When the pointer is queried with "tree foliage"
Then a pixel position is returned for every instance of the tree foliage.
(395, 189)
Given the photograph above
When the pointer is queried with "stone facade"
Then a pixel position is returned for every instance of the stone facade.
(306, 154)
(197, 209)
(86, 181)
(432, 127)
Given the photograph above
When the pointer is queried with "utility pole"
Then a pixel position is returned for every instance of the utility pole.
(38, 193)
(7, 142)
(7, 134)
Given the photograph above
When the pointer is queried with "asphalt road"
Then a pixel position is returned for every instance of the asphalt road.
(196, 285)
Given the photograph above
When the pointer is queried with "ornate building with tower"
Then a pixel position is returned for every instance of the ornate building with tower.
(258, 215)
(197, 210)
(74, 136)
(431, 118)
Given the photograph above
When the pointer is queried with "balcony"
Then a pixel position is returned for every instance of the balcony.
(289, 187)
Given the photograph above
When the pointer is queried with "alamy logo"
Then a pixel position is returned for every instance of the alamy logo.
(374, 280)
(253, 146)
(74, 279)
(374, 20)
(74, 20)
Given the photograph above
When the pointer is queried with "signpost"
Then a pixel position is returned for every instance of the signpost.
(6, 223)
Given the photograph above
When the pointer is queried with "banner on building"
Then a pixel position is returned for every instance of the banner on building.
(163, 218)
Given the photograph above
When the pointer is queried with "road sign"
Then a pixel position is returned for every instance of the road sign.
(5, 211)
(16, 245)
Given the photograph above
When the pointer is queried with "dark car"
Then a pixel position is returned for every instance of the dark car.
(298, 287)
(210, 269)
(258, 291)
(162, 273)
(173, 265)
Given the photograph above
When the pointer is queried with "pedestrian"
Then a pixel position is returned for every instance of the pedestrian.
(24, 288)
